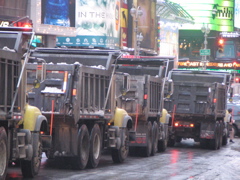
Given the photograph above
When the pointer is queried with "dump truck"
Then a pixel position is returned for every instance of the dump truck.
(198, 106)
(144, 100)
(77, 95)
(23, 129)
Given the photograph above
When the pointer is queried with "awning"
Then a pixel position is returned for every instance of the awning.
(173, 11)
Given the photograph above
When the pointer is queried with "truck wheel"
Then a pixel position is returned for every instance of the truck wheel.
(162, 144)
(4, 153)
(119, 155)
(148, 149)
(95, 147)
(155, 131)
(220, 135)
(214, 143)
(83, 148)
(31, 168)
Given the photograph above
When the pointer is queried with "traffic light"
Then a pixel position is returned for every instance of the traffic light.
(237, 80)
(220, 45)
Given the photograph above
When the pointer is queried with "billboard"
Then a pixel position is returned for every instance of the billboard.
(146, 23)
(97, 24)
(237, 14)
(50, 17)
(168, 37)
(58, 12)
(218, 14)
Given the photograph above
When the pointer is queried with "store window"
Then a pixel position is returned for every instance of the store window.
(189, 47)
(13, 8)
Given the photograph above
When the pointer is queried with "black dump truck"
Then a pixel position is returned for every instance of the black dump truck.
(144, 100)
(198, 106)
(77, 95)
(24, 132)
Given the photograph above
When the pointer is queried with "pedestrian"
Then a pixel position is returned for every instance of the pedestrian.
(231, 121)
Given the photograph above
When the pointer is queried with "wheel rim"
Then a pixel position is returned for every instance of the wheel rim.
(3, 157)
(96, 145)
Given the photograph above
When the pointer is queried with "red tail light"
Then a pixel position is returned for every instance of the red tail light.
(145, 96)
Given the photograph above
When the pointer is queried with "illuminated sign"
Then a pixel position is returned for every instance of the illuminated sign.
(237, 14)
(4, 23)
(225, 70)
(60, 13)
(219, 65)
(229, 34)
(218, 14)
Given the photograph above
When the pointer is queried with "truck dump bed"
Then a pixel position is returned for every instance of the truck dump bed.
(198, 93)
(73, 88)
(10, 67)
(144, 98)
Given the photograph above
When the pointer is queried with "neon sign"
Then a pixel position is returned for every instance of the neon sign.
(4, 23)
(209, 64)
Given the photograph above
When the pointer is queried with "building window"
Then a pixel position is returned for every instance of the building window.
(189, 47)
(13, 8)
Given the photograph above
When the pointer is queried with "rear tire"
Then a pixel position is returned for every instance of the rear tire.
(214, 143)
(83, 148)
(155, 131)
(119, 155)
(148, 149)
(95, 147)
(4, 153)
(31, 168)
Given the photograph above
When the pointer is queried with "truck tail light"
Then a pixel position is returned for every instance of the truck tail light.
(176, 124)
(74, 92)
(65, 81)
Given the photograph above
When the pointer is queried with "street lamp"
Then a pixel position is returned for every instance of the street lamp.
(206, 31)
(136, 13)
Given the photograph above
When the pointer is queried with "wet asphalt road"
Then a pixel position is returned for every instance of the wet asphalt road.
(185, 161)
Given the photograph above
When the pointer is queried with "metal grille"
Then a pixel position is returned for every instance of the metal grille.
(9, 72)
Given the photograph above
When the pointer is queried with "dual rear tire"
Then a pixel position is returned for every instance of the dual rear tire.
(89, 147)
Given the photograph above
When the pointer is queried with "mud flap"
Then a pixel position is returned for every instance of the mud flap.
(207, 130)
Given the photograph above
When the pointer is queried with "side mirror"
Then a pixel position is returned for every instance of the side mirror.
(36, 83)
(168, 89)
(41, 70)
(126, 83)
(231, 94)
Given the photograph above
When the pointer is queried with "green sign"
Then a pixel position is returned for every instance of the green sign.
(204, 52)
